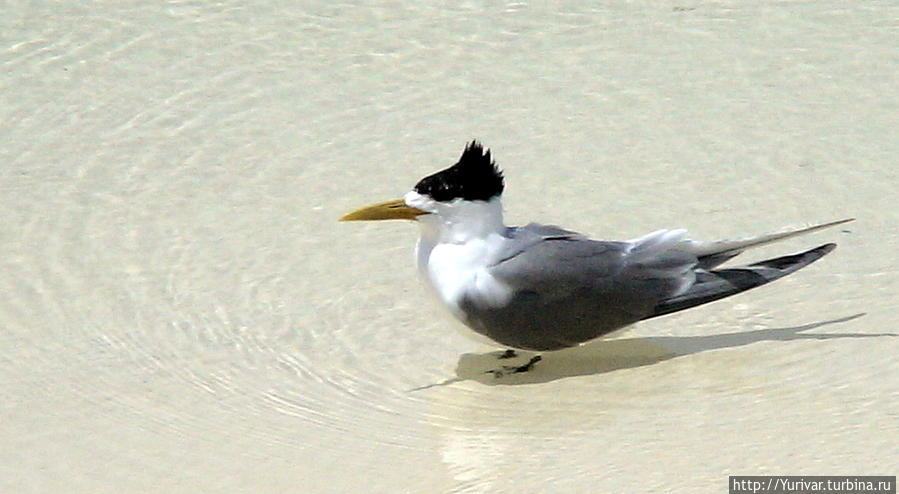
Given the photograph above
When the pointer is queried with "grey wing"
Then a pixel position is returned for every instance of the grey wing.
(720, 283)
(568, 289)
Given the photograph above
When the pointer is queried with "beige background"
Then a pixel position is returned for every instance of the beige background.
(182, 313)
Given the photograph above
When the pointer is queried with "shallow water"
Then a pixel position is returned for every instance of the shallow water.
(183, 313)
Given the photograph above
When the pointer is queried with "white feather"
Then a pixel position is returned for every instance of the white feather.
(453, 247)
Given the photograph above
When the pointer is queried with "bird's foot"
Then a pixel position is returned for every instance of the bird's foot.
(508, 354)
(515, 369)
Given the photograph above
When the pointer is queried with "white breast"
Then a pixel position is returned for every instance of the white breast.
(459, 241)
(454, 270)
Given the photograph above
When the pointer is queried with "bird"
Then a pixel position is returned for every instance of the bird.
(542, 288)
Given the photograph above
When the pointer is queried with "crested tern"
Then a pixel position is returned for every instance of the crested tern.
(542, 288)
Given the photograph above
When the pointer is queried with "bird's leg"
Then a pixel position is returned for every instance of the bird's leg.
(508, 354)
(515, 369)
(528, 366)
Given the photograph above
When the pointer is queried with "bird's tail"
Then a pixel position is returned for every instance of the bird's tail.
(711, 254)
(719, 283)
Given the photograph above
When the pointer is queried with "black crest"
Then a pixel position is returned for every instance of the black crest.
(474, 177)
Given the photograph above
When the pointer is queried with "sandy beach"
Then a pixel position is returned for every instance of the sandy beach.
(183, 313)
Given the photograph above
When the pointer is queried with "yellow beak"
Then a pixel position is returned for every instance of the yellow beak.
(390, 210)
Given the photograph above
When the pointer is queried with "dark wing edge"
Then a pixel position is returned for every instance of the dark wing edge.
(717, 284)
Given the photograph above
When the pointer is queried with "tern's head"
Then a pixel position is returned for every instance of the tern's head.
(471, 188)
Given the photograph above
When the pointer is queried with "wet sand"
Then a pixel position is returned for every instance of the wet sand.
(183, 313)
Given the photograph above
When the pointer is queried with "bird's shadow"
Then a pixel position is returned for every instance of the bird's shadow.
(604, 356)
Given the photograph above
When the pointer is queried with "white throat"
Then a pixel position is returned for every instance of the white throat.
(459, 241)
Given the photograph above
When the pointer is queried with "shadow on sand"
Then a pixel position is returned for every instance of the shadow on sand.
(604, 356)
